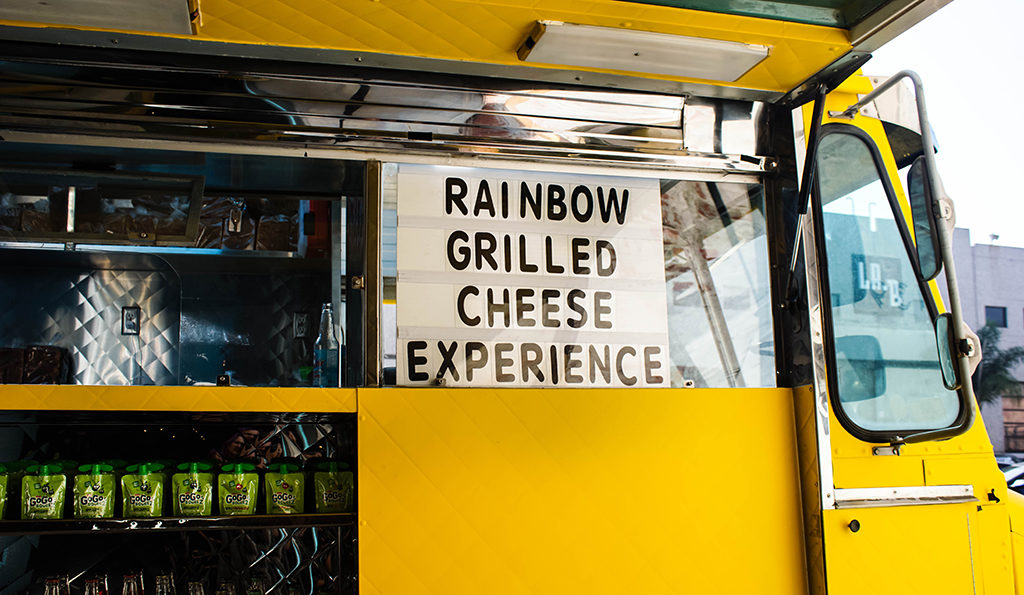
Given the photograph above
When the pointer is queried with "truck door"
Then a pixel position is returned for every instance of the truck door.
(901, 511)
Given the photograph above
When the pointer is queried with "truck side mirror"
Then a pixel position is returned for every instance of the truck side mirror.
(945, 340)
(922, 209)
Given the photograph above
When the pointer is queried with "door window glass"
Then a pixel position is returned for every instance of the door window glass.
(887, 375)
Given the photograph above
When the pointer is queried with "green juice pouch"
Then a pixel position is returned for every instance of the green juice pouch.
(284, 486)
(94, 492)
(42, 492)
(142, 491)
(238, 484)
(333, 486)
(193, 490)
(4, 477)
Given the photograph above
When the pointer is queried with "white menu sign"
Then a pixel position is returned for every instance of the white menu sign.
(520, 278)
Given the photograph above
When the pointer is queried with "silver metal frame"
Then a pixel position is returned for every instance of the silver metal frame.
(821, 404)
(808, 244)
(690, 168)
(373, 286)
(904, 496)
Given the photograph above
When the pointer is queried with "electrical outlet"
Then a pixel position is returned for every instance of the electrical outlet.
(300, 325)
(130, 320)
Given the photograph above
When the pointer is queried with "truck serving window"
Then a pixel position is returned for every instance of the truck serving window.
(887, 377)
(516, 277)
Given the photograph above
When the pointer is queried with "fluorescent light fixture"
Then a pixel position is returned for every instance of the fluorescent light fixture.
(609, 48)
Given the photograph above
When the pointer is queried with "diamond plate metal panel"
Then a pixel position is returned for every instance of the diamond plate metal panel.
(80, 310)
(243, 323)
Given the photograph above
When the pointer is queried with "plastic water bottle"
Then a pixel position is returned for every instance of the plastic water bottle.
(325, 351)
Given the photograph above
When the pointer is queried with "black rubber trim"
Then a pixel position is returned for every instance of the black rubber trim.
(872, 436)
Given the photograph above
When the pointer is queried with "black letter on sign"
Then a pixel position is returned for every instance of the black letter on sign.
(501, 362)
(461, 303)
(582, 215)
(475, 362)
(651, 364)
(504, 307)
(416, 360)
(605, 365)
(526, 267)
(522, 307)
(613, 202)
(458, 263)
(571, 364)
(549, 262)
(556, 202)
(447, 360)
(485, 252)
(455, 191)
(627, 380)
(605, 270)
(579, 256)
(483, 200)
(600, 309)
(535, 201)
(547, 309)
(573, 299)
(530, 356)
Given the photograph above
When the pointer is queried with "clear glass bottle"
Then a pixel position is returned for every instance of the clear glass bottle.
(96, 585)
(56, 585)
(325, 351)
(132, 584)
(163, 585)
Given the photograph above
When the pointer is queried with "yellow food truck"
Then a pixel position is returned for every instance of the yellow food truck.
(496, 296)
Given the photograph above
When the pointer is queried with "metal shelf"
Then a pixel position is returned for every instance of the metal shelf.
(98, 526)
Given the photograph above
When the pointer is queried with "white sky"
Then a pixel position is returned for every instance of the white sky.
(970, 55)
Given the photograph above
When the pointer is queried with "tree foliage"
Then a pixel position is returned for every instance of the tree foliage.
(993, 378)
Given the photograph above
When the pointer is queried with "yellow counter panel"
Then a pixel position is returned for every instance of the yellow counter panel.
(579, 491)
(177, 398)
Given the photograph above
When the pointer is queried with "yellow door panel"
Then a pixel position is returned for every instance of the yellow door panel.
(900, 550)
(579, 491)
(980, 471)
(992, 550)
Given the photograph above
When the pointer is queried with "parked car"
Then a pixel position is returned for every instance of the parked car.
(1015, 477)
(1007, 461)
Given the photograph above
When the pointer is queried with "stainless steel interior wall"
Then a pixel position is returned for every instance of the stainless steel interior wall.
(197, 320)
(77, 305)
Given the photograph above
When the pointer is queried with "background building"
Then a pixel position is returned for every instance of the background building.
(991, 280)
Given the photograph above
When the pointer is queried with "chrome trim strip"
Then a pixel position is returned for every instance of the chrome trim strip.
(373, 286)
(821, 404)
(687, 168)
(904, 496)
